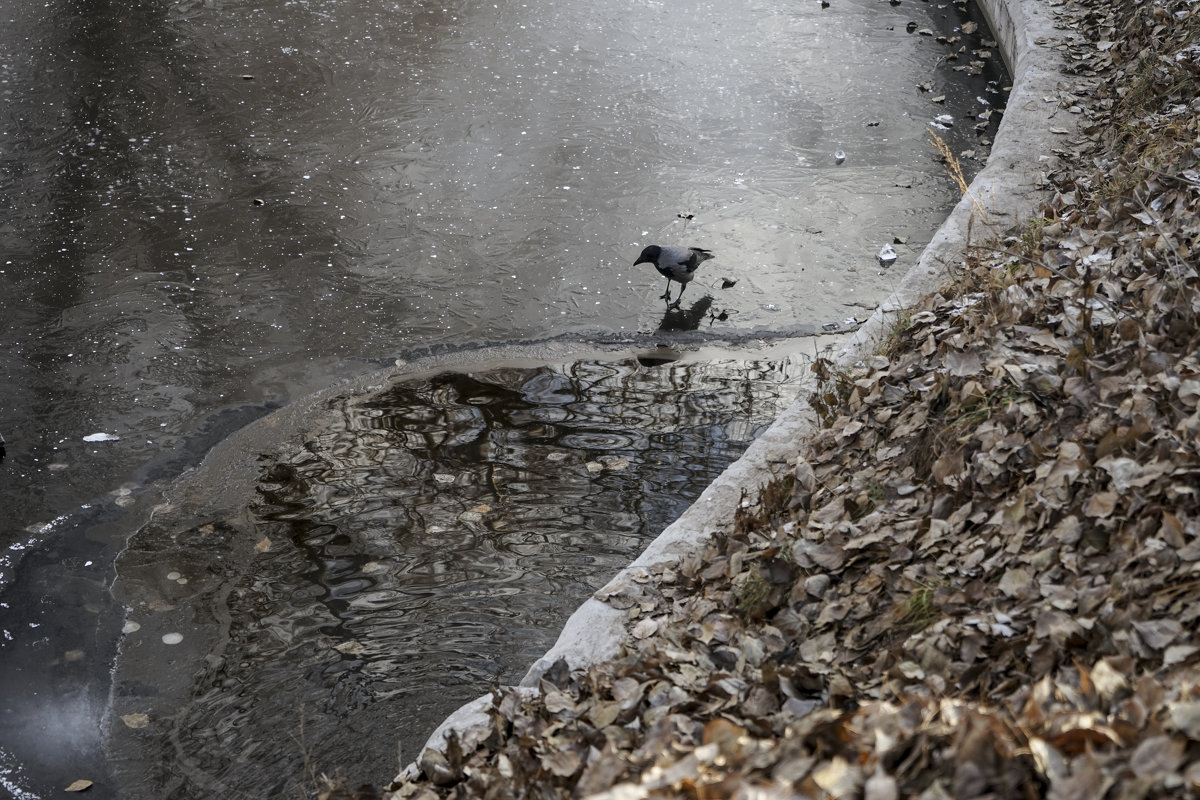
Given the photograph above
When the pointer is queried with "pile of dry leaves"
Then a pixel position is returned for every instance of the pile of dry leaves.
(984, 578)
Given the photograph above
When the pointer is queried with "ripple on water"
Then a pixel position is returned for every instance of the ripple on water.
(432, 539)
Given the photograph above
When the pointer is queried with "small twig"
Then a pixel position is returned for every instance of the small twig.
(1074, 281)
(1169, 176)
(1149, 213)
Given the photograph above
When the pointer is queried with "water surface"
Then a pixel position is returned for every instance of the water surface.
(415, 547)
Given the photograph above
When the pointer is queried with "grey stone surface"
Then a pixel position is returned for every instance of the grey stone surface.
(1005, 192)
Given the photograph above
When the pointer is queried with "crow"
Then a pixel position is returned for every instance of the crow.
(675, 264)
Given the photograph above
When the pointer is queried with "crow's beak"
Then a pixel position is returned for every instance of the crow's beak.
(642, 261)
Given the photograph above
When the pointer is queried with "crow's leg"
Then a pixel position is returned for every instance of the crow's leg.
(667, 294)
(679, 296)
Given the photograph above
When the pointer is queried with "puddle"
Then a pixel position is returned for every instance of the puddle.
(421, 544)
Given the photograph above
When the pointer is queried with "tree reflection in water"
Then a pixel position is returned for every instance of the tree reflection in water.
(431, 540)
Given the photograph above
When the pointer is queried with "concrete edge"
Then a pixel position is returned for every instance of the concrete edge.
(1007, 190)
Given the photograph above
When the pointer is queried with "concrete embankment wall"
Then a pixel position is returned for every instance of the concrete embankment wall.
(1007, 191)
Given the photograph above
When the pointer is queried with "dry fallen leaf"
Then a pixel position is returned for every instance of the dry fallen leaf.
(1158, 633)
(881, 786)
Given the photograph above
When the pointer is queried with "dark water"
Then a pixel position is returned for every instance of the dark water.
(421, 545)
(211, 209)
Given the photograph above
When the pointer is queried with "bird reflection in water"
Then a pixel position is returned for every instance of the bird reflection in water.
(687, 319)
